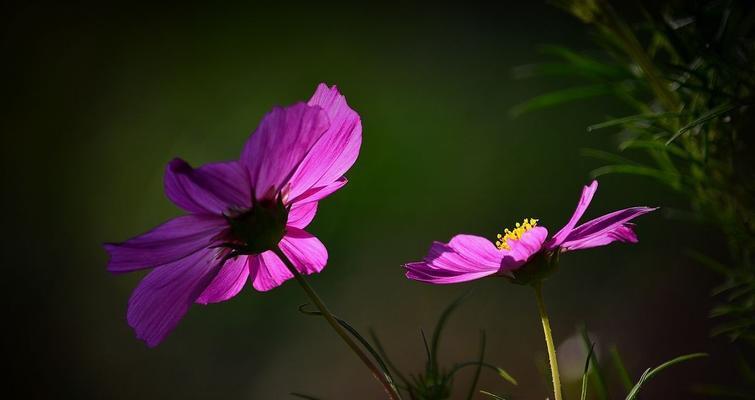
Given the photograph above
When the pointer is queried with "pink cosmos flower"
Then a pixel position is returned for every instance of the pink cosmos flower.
(469, 257)
(238, 211)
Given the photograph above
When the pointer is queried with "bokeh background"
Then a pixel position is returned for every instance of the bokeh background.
(98, 98)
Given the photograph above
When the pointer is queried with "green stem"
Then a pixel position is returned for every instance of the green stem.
(379, 375)
(548, 341)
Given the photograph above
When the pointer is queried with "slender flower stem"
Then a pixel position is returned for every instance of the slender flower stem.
(376, 372)
(548, 341)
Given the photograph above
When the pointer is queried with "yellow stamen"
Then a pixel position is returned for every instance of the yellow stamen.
(503, 239)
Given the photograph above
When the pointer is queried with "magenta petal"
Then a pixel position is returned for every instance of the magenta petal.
(166, 243)
(317, 194)
(211, 188)
(584, 202)
(280, 143)
(425, 272)
(444, 257)
(304, 250)
(165, 294)
(623, 233)
(336, 150)
(228, 282)
(477, 250)
(523, 249)
(301, 215)
(607, 226)
(268, 271)
(465, 258)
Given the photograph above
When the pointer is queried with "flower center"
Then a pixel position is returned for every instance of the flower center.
(520, 228)
(258, 229)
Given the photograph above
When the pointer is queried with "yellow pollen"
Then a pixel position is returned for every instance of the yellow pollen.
(503, 239)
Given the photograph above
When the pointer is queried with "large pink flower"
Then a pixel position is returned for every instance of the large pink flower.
(469, 257)
(238, 211)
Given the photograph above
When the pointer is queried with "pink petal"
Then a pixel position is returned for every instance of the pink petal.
(465, 258)
(477, 250)
(608, 225)
(301, 215)
(584, 202)
(304, 250)
(268, 271)
(317, 194)
(165, 294)
(623, 233)
(336, 150)
(424, 272)
(166, 243)
(280, 143)
(211, 188)
(444, 257)
(228, 282)
(523, 249)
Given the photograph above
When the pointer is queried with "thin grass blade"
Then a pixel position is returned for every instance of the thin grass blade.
(304, 396)
(618, 363)
(599, 379)
(433, 351)
(562, 96)
(381, 350)
(480, 360)
(361, 340)
(649, 373)
(585, 376)
(708, 116)
(647, 118)
(492, 395)
(670, 179)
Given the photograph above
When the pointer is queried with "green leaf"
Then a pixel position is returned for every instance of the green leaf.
(384, 356)
(562, 96)
(430, 361)
(304, 396)
(585, 372)
(712, 264)
(618, 363)
(588, 65)
(480, 361)
(733, 329)
(654, 145)
(710, 115)
(503, 374)
(675, 361)
(561, 69)
(494, 396)
(500, 371)
(605, 156)
(646, 118)
(651, 372)
(375, 355)
(433, 351)
(597, 373)
(672, 180)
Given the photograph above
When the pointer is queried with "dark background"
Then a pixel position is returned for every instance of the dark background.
(98, 98)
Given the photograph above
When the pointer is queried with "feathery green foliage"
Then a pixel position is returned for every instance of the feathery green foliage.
(688, 80)
(686, 73)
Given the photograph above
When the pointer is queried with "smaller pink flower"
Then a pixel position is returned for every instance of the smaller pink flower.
(469, 257)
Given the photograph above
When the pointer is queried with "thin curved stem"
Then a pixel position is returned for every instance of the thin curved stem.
(379, 375)
(548, 341)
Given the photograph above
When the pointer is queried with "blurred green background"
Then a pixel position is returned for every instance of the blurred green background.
(99, 98)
